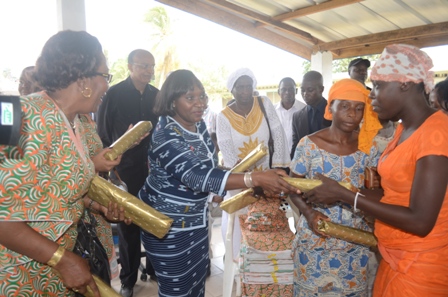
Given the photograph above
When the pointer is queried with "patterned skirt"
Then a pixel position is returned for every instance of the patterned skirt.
(180, 261)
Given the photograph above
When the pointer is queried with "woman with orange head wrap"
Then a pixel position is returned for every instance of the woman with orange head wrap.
(412, 211)
(341, 152)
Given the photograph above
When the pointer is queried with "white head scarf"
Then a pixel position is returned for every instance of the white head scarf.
(237, 74)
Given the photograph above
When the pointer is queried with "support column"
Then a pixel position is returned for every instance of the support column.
(322, 62)
(71, 15)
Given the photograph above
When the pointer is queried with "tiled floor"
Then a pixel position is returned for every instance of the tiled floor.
(213, 284)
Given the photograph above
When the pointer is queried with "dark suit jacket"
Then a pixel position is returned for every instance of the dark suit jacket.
(300, 127)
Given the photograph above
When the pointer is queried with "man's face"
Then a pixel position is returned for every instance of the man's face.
(287, 91)
(311, 91)
(142, 68)
(358, 72)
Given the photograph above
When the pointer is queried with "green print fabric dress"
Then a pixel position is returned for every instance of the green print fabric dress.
(43, 179)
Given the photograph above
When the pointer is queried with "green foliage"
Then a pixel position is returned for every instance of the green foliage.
(119, 70)
(164, 48)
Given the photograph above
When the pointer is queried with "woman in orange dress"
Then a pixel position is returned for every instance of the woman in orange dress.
(412, 211)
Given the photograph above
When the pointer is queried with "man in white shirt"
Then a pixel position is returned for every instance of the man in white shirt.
(288, 105)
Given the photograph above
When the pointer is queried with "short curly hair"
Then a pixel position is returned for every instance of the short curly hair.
(66, 57)
(177, 83)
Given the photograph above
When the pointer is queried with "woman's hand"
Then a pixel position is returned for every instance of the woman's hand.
(75, 273)
(313, 217)
(115, 213)
(112, 212)
(102, 164)
(328, 193)
(272, 182)
(137, 142)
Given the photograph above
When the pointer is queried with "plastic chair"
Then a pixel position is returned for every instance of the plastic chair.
(231, 270)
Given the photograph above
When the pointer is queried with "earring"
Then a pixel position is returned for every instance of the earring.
(87, 92)
(173, 105)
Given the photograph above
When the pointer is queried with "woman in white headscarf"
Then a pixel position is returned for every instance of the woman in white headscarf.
(242, 126)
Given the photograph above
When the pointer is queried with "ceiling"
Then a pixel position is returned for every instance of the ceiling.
(346, 28)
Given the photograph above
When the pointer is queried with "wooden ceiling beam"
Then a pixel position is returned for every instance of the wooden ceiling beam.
(229, 20)
(424, 41)
(263, 20)
(384, 37)
(332, 4)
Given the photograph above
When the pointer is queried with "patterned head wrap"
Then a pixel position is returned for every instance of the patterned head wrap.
(404, 63)
(353, 90)
(237, 74)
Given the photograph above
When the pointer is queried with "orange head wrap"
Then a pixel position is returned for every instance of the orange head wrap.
(353, 90)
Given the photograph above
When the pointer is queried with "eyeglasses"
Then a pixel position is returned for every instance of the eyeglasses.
(143, 66)
(107, 76)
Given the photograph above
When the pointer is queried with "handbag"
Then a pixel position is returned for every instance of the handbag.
(89, 247)
(270, 141)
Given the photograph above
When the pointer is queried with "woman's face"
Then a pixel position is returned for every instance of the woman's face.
(99, 84)
(347, 114)
(189, 108)
(243, 89)
(387, 100)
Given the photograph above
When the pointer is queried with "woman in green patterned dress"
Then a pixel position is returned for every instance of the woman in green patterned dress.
(46, 175)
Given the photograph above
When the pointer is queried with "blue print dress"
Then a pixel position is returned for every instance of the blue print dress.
(182, 173)
(328, 266)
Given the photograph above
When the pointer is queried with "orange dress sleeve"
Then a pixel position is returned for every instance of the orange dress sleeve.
(412, 265)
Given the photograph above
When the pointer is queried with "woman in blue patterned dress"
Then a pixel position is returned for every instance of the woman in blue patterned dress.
(326, 266)
(182, 161)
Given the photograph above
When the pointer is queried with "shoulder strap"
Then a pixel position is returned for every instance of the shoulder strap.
(271, 141)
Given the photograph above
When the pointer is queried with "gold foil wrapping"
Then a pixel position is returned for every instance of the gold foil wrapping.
(141, 214)
(347, 233)
(128, 139)
(253, 157)
(304, 184)
(105, 290)
(244, 198)
(239, 201)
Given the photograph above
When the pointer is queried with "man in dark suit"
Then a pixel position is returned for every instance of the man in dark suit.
(309, 119)
(126, 103)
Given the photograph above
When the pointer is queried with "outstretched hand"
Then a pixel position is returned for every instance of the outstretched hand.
(328, 192)
(272, 182)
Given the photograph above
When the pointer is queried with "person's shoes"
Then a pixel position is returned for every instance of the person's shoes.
(126, 292)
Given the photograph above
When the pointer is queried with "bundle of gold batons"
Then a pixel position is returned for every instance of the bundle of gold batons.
(246, 198)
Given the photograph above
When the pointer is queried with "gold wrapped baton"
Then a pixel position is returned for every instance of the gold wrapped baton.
(105, 290)
(305, 184)
(128, 139)
(347, 233)
(253, 157)
(141, 214)
(239, 201)
(245, 197)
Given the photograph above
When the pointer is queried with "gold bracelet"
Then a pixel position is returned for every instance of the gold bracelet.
(57, 256)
